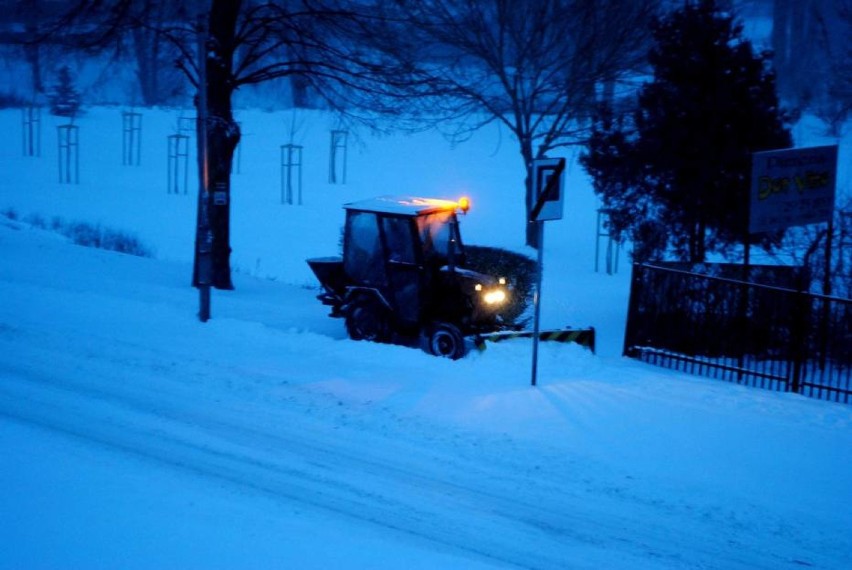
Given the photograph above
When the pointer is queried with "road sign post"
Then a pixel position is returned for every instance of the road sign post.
(548, 189)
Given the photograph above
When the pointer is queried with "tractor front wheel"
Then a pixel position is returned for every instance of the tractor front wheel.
(444, 339)
(366, 319)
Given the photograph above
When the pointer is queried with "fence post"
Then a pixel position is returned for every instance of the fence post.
(799, 337)
(178, 155)
(131, 138)
(632, 308)
(31, 130)
(337, 157)
(746, 343)
(291, 159)
(68, 137)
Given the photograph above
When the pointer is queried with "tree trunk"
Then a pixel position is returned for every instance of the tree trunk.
(147, 47)
(31, 53)
(223, 135)
(32, 50)
(702, 240)
(531, 231)
(781, 22)
(299, 88)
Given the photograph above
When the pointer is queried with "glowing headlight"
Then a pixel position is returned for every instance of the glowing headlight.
(495, 296)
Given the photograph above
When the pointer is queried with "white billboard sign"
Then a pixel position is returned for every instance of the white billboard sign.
(792, 187)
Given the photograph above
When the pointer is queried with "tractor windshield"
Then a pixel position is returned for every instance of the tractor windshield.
(436, 231)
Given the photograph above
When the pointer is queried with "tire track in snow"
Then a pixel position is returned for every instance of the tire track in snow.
(309, 484)
(479, 515)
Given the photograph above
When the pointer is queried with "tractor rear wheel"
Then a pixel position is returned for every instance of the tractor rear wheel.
(367, 319)
(444, 339)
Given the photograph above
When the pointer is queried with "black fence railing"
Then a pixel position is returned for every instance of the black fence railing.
(759, 335)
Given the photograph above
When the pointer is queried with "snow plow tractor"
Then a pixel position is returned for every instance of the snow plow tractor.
(401, 278)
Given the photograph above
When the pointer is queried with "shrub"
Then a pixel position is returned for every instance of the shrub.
(519, 271)
(123, 243)
(85, 234)
(88, 235)
(36, 221)
(82, 234)
(10, 100)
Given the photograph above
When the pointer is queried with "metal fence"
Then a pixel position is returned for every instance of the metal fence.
(759, 335)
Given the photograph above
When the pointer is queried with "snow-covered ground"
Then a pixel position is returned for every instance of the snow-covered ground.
(134, 436)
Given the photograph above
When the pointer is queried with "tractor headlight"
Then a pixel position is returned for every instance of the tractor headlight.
(494, 297)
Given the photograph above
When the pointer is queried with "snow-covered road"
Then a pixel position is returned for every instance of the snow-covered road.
(492, 510)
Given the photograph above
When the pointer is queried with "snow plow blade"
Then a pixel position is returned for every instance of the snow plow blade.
(583, 337)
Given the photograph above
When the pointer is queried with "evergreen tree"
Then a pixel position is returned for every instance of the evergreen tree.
(676, 173)
(64, 98)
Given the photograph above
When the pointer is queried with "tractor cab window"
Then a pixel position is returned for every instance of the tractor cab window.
(363, 259)
(436, 231)
(399, 239)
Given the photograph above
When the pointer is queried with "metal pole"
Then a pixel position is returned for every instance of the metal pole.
(139, 141)
(290, 155)
(537, 300)
(76, 155)
(59, 155)
(597, 241)
(299, 175)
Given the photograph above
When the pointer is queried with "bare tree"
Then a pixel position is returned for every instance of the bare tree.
(32, 51)
(23, 25)
(152, 51)
(253, 42)
(838, 30)
(828, 269)
(247, 42)
(537, 67)
(810, 41)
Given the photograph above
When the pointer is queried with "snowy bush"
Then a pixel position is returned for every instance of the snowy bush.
(36, 221)
(8, 100)
(88, 235)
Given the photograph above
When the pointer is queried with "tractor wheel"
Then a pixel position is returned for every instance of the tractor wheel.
(444, 339)
(366, 319)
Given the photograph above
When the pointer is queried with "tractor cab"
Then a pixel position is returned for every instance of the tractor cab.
(402, 276)
(399, 246)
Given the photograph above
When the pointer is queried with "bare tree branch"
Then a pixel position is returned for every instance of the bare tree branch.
(537, 66)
